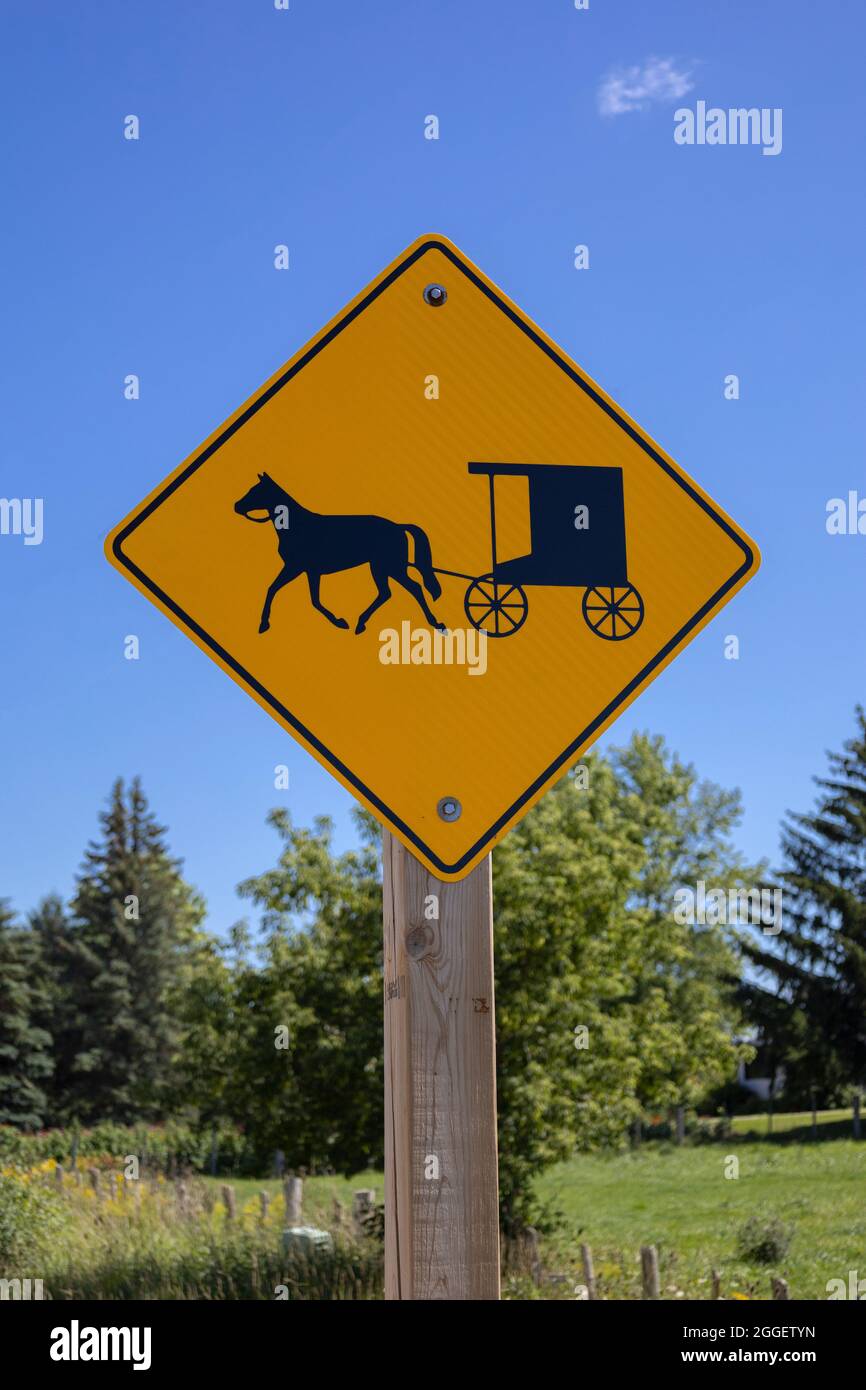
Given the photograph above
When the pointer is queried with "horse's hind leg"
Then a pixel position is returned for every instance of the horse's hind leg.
(284, 577)
(314, 581)
(384, 593)
(414, 588)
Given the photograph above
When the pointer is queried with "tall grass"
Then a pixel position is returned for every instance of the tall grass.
(172, 1240)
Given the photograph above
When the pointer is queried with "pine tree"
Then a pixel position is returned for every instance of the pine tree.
(58, 979)
(810, 996)
(133, 919)
(25, 1057)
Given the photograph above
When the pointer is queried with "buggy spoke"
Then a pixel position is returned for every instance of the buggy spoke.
(486, 596)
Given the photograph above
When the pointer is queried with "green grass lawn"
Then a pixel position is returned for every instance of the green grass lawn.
(831, 1124)
(680, 1201)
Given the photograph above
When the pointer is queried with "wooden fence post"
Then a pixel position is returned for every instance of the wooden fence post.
(717, 1284)
(441, 1179)
(228, 1196)
(588, 1271)
(681, 1124)
(363, 1204)
(293, 1191)
(532, 1253)
(780, 1289)
(649, 1266)
(857, 1116)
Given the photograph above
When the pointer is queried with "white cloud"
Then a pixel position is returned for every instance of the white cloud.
(635, 88)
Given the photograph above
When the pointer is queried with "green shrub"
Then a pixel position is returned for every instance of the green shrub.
(28, 1214)
(764, 1240)
(174, 1145)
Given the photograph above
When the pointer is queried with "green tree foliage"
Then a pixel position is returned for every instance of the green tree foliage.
(585, 938)
(319, 974)
(151, 1016)
(809, 998)
(25, 1057)
(54, 1006)
(132, 924)
(209, 1010)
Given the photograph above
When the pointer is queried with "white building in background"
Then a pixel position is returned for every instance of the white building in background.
(755, 1076)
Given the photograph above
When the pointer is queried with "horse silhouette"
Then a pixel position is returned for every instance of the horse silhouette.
(311, 544)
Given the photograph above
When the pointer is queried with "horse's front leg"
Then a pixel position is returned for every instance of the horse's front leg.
(285, 576)
(314, 580)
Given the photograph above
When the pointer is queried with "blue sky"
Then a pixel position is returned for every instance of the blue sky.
(305, 127)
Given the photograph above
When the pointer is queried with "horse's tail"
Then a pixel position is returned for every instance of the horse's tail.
(424, 560)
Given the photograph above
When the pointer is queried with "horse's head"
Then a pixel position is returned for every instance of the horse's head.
(263, 496)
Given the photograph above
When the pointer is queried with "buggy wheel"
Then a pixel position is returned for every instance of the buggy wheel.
(613, 614)
(495, 608)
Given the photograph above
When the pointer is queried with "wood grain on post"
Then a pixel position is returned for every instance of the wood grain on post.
(588, 1272)
(441, 1178)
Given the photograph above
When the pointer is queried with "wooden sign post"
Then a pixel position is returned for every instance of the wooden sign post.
(441, 1181)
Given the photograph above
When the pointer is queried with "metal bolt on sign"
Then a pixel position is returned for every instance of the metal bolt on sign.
(435, 296)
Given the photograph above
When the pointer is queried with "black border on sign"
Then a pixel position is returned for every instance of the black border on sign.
(274, 704)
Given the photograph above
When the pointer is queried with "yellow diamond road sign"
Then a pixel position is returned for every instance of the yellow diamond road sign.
(467, 560)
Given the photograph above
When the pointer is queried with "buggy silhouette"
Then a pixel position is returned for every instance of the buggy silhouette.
(564, 555)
